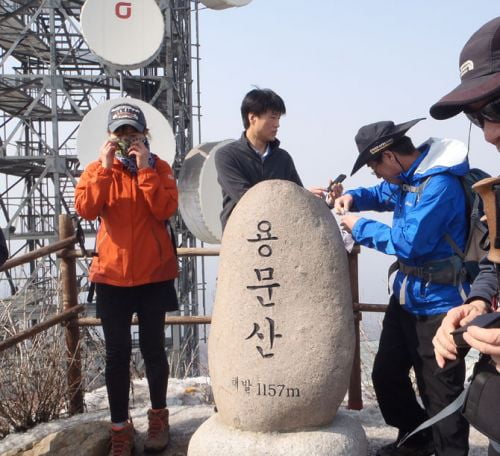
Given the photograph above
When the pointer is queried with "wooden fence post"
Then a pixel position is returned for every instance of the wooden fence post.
(355, 398)
(72, 331)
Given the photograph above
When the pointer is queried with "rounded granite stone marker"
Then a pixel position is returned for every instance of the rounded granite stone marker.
(282, 337)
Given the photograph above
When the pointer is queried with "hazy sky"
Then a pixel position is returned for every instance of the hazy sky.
(339, 65)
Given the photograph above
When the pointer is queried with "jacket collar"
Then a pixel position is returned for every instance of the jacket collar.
(273, 145)
(407, 176)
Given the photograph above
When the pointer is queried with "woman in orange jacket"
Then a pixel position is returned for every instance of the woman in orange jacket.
(133, 192)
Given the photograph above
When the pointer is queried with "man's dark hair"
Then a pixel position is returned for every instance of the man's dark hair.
(403, 146)
(259, 101)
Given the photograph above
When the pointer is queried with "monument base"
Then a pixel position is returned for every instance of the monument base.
(344, 437)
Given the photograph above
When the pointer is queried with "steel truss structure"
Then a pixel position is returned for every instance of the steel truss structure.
(49, 80)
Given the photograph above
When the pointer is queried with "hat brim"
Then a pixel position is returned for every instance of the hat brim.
(399, 130)
(466, 93)
(113, 126)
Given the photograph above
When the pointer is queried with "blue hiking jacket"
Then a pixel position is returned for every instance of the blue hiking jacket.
(420, 222)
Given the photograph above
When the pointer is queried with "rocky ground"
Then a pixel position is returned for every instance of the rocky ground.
(86, 434)
(190, 403)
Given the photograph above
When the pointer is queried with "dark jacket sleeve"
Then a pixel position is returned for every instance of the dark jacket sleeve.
(231, 177)
(4, 252)
(485, 285)
(293, 174)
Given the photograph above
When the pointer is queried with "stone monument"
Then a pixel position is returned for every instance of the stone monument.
(282, 340)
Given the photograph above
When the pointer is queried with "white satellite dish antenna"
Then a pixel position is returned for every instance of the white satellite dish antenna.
(200, 195)
(125, 34)
(223, 4)
(93, 131)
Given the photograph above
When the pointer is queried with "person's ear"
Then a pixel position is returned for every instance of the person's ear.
(388, 155)
(251, 118)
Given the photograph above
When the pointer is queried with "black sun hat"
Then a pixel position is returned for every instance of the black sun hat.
(374, 138)
(479, 71)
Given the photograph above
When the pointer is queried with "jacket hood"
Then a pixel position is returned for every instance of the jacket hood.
(443, 155)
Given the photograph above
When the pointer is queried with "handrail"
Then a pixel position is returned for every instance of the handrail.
(362, 307)
(169, 320)
(42, 326)
(38, 253)
(181, 251)
(72, 309)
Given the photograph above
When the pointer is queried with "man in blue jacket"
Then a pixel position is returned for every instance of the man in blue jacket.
(421, 187)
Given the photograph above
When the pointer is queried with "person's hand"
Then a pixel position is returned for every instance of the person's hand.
(348, 221)
(444, 345)
(141, 153)
(343, 204)
(107, 154)
(336, 190)
(320, 192)
(329, 196)
(486, 340)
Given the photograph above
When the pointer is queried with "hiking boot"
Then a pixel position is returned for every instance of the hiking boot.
(426, 449)
(157, 438)
(122, 440)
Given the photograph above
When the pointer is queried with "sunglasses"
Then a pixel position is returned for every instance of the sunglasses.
(489, 112)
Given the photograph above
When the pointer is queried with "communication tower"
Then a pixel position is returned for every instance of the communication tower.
(49, 80)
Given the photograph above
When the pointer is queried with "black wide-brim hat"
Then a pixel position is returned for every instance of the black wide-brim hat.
(374, 138)
(479, 70)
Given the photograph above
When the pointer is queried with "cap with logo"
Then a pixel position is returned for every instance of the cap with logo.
(479, 72)
(126, 114)
(374, 138)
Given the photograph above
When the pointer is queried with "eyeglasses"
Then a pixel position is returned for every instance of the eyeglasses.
(489, 112)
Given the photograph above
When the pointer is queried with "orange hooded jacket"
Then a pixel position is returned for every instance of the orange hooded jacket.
(133, 245)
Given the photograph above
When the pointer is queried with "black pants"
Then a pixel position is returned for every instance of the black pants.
(406, 342)
(115, 306)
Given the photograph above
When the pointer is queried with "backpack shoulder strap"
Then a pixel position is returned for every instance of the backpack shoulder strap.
(418, 189)
(454, 246)
(90, 294)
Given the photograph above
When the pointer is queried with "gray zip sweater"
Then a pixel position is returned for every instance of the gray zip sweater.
(239, 168)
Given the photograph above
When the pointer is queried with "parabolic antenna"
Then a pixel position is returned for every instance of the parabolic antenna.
(223, 4)
(125, 34)
(200, 195)
(93, 131)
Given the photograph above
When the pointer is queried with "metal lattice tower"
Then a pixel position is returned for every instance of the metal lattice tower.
(49, 80)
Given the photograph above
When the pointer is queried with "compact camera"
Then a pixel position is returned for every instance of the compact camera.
(124, 143)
